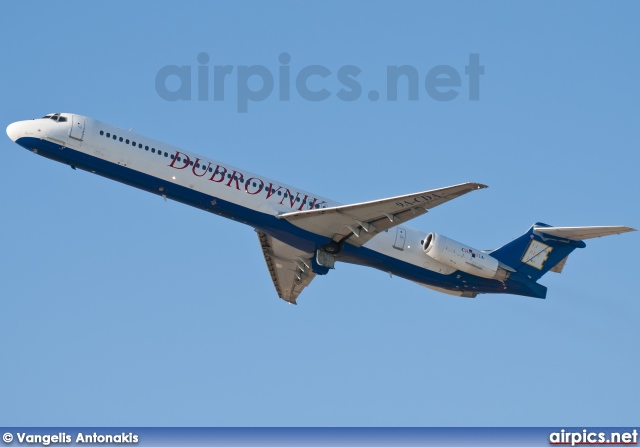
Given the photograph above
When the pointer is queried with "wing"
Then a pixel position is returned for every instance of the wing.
(290, 268)
(365, 220)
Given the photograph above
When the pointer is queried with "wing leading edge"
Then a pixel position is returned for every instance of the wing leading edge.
(358, 223)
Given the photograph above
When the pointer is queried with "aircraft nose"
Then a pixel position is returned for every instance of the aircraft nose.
(14, 131)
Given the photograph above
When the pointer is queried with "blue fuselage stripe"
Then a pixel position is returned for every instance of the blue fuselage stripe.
(278, 228)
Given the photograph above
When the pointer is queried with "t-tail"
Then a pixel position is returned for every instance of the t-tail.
(541, 249)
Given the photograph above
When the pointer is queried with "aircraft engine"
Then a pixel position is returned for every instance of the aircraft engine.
(459, 256)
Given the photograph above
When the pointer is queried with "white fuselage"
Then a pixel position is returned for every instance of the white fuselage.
(217, 187)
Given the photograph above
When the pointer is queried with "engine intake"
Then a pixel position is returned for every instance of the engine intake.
(459, 256)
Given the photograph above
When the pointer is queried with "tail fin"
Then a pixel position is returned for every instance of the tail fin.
(545, 248)
(534, 253)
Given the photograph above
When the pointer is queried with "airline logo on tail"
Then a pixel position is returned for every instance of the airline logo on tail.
(536, 254)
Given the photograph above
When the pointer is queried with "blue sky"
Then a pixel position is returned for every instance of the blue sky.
(120, 309)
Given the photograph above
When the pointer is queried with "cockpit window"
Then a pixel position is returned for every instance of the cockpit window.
(55, 117)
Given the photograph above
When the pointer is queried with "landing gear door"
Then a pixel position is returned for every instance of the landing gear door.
(401, 236)
(77, 127)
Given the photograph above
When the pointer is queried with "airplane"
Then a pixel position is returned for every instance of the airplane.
(302, 234)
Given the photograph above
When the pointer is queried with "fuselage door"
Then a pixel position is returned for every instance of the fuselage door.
(401, 236)
(77, 127)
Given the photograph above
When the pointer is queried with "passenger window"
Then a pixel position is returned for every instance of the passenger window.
(126, 140)
(101, 132)
(133, 143)
(191, 163)
(121, 139)
(153, 149)
(279, 193)
(146, 148)
(115, 137)
(108, 135)
(140, 145)
(166, 154)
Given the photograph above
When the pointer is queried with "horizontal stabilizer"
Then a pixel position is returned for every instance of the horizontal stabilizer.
(581, 233)
(559, 266)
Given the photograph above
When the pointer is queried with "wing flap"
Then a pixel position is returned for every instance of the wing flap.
(358, 223)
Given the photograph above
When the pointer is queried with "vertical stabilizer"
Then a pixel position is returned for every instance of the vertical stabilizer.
(535, 253)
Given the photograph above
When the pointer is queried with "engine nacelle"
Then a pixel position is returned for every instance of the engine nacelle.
(459, 256)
